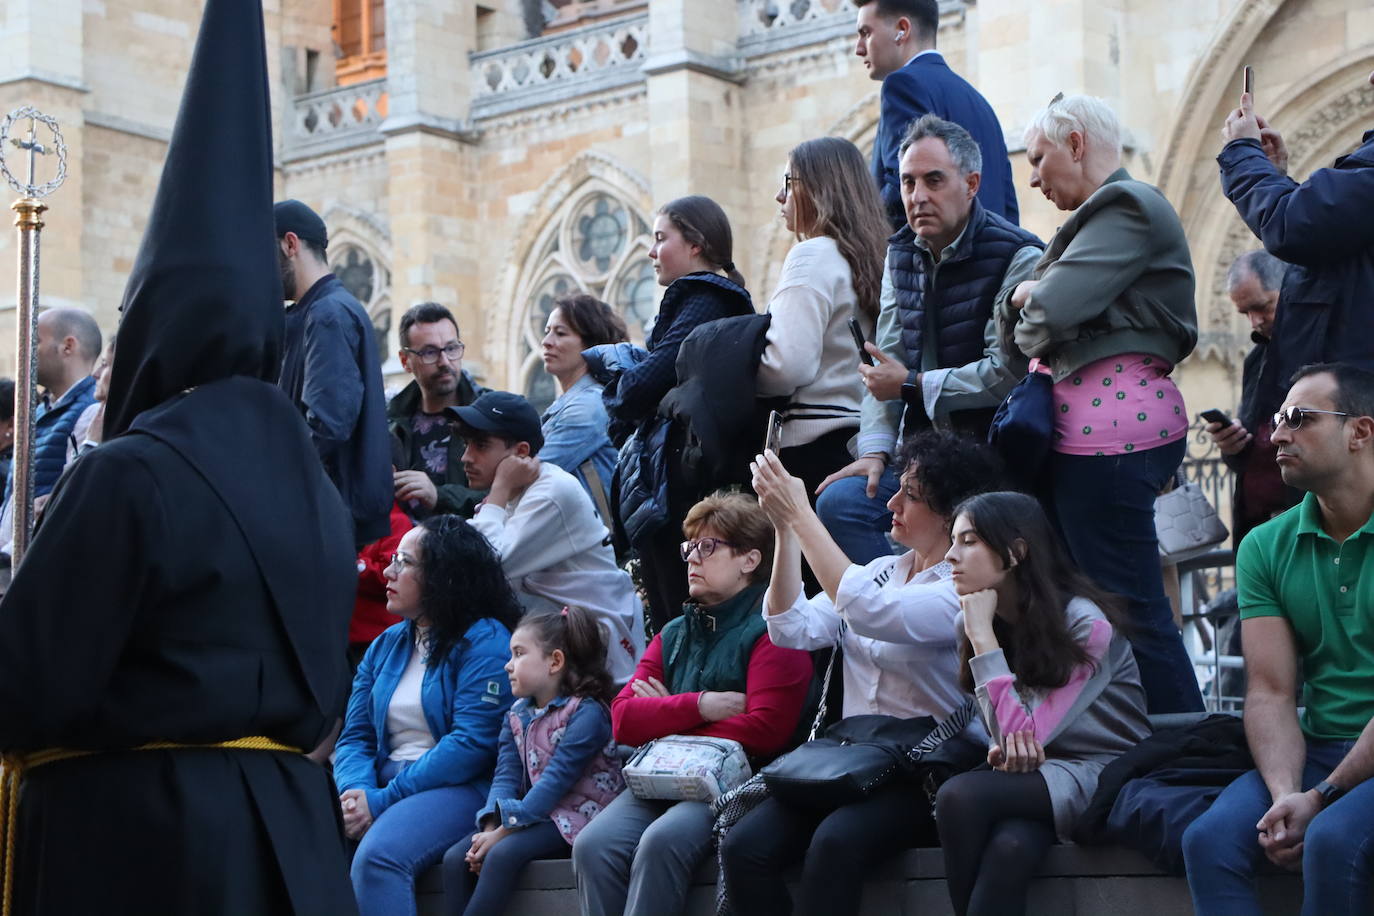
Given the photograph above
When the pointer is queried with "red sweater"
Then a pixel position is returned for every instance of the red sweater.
(777, 684)
(370, 616)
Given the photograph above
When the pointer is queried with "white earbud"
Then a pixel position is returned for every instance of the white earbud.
(900, 35)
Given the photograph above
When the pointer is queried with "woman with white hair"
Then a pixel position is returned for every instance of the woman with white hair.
(1110, 313)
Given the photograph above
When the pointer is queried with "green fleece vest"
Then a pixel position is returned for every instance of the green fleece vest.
(708, 648)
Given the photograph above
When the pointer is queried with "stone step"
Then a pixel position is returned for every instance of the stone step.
(1074, 881)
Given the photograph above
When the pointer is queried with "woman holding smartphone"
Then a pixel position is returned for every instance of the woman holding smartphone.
(833, 274)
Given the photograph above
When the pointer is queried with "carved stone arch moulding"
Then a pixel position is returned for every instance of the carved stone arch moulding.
(587, 173)
(1209, 82)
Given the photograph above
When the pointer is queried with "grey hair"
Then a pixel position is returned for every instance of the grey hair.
(1265, 268)
(963, 149)
(1087, 114)
(78, 323)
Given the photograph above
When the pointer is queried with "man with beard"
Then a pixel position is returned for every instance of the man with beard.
(173, 640)
(331, 371)
(427, 456)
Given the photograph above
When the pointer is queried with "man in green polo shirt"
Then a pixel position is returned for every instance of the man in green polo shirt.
(1306, 587)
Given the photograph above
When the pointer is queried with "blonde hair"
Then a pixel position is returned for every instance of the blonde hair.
(1087, 114)
(837, 198)
(737, 518)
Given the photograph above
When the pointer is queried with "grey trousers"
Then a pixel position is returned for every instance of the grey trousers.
(637, 857)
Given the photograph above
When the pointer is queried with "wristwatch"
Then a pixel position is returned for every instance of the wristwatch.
(1329, 793)
(911, 390)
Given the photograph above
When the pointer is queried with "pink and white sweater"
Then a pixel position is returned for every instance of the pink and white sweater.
(1085, 724)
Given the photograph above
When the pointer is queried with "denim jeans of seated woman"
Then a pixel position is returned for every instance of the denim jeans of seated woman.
(1222, 851)
(408, 838)
(1105, 508)
(858, 524)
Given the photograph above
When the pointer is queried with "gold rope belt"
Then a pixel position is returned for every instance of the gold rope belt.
(13, 766)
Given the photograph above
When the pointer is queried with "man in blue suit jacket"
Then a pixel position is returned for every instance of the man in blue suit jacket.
(897, 43)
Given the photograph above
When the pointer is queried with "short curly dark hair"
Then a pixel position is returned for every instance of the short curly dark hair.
(461, 581)
(951, 468)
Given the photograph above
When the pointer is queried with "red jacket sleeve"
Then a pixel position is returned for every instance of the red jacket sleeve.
(637, 720)
(777, 684)
(779, 680)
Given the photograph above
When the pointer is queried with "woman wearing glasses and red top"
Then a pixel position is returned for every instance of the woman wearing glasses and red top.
(712, 671)
(418, 746)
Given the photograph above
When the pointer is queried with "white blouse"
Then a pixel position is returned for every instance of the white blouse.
(407, 732)
(901, 650)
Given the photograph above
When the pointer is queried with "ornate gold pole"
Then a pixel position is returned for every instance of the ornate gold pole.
(28, 219)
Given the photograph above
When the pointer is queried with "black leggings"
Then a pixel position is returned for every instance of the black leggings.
(839, 849)
(995, 828)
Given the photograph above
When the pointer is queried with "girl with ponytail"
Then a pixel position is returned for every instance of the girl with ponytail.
(554, 766)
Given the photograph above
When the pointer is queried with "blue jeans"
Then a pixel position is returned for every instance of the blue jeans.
(1105, 509)
(1222, 852)
(407, 838)
(488, 893)
(858, 524)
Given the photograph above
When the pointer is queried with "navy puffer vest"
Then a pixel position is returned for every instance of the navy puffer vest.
(959, 291)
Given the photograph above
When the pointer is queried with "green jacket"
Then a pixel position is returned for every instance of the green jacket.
(1116, 278)
(708, 648)
(455, 496)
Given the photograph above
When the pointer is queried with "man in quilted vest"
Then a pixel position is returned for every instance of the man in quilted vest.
(939, 357)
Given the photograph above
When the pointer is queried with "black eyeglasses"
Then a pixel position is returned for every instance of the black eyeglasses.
(430, 355)
(788, 179)
(703, 546)
(1292, 417)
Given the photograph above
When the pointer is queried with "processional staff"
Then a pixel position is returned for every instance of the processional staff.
(28, 218)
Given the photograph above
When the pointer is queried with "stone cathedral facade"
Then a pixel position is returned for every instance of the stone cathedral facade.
(492, 155)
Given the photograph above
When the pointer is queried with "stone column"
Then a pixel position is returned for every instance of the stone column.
(693, 70)
(431, 205)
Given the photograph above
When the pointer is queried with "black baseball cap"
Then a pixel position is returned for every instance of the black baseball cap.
(504, 414)
(294, 216)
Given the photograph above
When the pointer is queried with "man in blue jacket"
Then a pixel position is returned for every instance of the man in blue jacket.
(331, 371)
(1322, 228)
(897, 43)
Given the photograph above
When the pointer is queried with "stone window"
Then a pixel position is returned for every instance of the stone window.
(597, 243)
(369, 284)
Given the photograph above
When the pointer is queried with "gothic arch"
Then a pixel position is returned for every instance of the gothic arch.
(360, 254)
(540, 255)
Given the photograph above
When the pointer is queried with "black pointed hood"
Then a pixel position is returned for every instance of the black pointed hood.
(204, 300)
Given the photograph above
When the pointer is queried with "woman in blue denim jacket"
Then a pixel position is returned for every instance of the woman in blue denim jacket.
(575, 425)
(415, 758)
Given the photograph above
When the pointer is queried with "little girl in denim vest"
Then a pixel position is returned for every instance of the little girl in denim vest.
(555, 769)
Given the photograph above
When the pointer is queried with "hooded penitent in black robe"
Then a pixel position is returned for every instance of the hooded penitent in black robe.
(192, 579)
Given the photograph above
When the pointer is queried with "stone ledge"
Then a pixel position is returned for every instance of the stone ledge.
(1074, 881)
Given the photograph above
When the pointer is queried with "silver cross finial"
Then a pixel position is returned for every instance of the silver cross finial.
(34, 149)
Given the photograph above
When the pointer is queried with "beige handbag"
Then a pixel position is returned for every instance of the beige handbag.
(1186, 524)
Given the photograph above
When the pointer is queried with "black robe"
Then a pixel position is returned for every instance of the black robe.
(191, 581)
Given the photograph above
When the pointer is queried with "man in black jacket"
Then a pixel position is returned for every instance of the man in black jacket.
(1253, 284)
(426, 455)
(331, 371)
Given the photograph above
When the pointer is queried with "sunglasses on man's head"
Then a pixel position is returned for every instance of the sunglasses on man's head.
(1292, 417)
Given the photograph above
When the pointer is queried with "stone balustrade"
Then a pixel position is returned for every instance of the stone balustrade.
(334, 120)
(559, 66)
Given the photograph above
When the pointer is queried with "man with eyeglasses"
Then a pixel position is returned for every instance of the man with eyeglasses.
(427, 456)
(331, 372)
(1306, 603)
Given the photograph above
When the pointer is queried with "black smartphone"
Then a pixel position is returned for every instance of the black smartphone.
(859, 341)
(1216, 416)
(773, 438)
(1247, 81)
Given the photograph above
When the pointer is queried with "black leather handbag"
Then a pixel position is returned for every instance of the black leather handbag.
(855, 756)
(861, 753)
